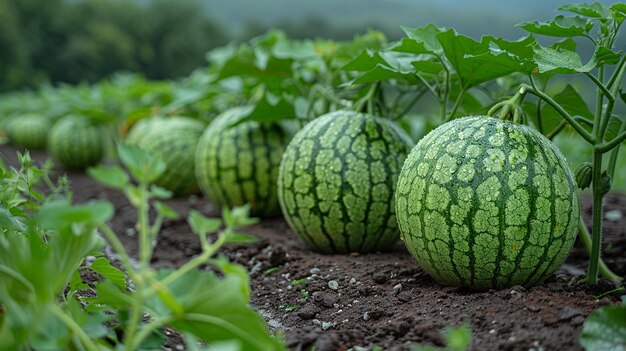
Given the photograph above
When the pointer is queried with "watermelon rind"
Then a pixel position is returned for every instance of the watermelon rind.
(487, 204)
(174, 140)
(237, 162)
(337, 180)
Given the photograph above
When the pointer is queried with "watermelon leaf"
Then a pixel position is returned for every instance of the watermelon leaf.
(143, 166)
(560, 26)
(115, 177)
(604, 329)
(201, 224)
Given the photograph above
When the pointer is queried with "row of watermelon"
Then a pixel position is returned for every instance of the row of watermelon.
(481, 202)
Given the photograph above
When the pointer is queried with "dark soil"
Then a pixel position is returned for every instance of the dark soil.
(342, 302)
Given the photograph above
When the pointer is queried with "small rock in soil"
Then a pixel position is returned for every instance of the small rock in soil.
(568, 313)
(309, 311)
(278, 257)
(325, 299)
(380, 278)
(333, 284)
(325, 342)
(578, 320)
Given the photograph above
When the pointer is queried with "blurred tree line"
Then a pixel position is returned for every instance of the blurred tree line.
(73, 41)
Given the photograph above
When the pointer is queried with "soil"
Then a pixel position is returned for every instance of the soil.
(360, 302)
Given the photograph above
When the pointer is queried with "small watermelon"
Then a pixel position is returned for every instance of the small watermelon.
(29, 131)
(337, 180)
(174, 140)
(487, 204)
(76, 143)
(237, 163)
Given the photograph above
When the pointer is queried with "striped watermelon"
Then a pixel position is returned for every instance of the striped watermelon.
(76, 143)
(337, 180)
(29, 131)
(237, 164)
(485, 203)
(174, 140)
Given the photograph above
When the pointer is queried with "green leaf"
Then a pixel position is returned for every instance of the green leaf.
(103, 266)
(160, 193)
(427, 36)
(165, 211)
(144, 166)
(93, 323)
(595, 10)
(458, 338)
(364, 62)
(560, 26)
(60, 213)
(201, 224)
(241, 238)
(109, 294)
(605, 56)
(236, 271)
(618, 11)
(560, 61)
(604, 329)
(270, 109)
(8, 221)
(115, 177)
(476, 62)
(215, 316)
(238, 216)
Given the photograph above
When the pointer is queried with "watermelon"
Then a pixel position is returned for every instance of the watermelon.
(76, 143)
(29, 131)
(174, 140)
(237, 163)
(337, 180)
(487, 204)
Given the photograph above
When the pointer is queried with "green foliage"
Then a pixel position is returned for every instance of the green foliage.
(457, 338)
(46, 242)
(604, 329)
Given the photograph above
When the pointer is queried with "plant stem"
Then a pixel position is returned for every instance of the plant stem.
(614, 153)
(119, 249)
(602, 90)
(145, 251)
(605, 147)
(524, 88)
(408, 108)
(144, 229)
(585, 238)
(456, 105)
(596, 227)
(149, 328)
(74, 327)
(198, 260)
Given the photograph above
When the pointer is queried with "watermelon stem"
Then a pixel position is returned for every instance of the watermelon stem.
(585, 238)
(596, 228)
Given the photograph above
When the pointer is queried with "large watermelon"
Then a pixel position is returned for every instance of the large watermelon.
(29, 131)
(486, 203)
(174, 140)
(337, 180)
(237, 163)
(75, 142)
